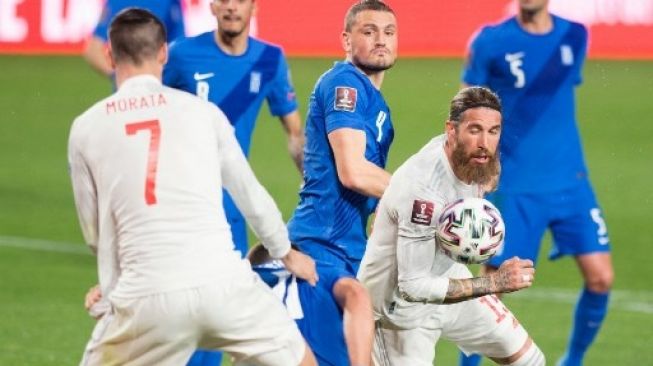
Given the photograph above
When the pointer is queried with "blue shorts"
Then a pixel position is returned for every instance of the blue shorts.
(325, 255)
(573, 215)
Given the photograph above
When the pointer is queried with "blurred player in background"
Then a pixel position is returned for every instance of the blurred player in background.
(533, 61)
(168, 11)
(318, 310)
(145, 163)
(419, 293)
(348, 135)
(237, 73)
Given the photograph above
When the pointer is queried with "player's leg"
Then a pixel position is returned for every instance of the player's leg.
(239, 236)
(485, 326)
(358, 321)
(525, 226)
(150, 330)
(394, 346)
(245, 319)
(582, 232)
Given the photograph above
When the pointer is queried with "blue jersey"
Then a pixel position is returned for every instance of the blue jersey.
(168, 11)
(329, 216)
(236, 84)
(535, 76)
(318, 315)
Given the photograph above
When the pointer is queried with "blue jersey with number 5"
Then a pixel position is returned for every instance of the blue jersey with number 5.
(329, 216)
(535, 76)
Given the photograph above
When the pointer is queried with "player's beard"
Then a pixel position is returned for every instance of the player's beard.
(372, 67)
(470, 172)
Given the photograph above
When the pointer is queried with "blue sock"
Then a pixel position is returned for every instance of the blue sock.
(588, 317)
(205, 358)
(471, 360)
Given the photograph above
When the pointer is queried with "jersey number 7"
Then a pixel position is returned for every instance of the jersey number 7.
(153, 156)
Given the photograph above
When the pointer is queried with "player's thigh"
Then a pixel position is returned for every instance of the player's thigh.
(394, 346)
(245, 319)
(525, 220)
(579, 227)
(151, 330)
(484, 326)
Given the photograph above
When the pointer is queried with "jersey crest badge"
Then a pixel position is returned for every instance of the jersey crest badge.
(422, 212)
(255, 82)
(566, 55)
(345, 99)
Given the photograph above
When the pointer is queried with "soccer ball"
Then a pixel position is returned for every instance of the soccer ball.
(470, 230)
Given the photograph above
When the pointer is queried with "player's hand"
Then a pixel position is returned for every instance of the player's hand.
(93, 296)
(513, 275)
(301, 266)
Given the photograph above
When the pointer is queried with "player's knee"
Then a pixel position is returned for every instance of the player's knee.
(600, 282)
(532, 357)
(356, 294)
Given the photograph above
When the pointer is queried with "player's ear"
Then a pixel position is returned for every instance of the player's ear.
(162, 55)
(345, 39)
(254, 8)
(108, 55)
(450, 130)
(213, 6)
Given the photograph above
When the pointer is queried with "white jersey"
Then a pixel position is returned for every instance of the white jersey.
(406, 274)
(148, 165)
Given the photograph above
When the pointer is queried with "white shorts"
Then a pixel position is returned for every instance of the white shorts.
(482, 325)
(241, 317)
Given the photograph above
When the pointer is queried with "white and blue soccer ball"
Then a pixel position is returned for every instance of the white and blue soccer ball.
(470, 230)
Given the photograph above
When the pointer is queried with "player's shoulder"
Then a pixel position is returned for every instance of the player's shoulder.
(572, 26)
(270, 47)
(421, 172)
(491, 32)
(344, 74)
(190, 101)
(184, 45)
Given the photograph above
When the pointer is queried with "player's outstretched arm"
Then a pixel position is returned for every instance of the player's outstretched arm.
(292, 124)
(358, 320)
(513, 275)
(354, 171)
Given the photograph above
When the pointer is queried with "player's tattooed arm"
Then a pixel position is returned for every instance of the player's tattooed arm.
(468, 288)
(513, 275)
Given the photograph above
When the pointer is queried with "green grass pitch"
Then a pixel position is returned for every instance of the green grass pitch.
(43, 281)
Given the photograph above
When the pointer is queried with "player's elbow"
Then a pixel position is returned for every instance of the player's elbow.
(351, 179)
(408, 291)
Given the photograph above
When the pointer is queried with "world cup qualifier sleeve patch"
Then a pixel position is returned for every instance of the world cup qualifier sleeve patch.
(422, 212)
(345, 99)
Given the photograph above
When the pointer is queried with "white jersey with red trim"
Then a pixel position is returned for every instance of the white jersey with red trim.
(147, 166)
(406, 274)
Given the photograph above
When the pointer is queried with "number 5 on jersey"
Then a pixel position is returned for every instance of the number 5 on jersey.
(153, 154)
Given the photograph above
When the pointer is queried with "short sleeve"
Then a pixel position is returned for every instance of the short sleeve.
(281, 98)
(476, 68)
(344, 99)
(581, 54)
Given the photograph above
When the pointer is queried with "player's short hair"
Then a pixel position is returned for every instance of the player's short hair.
(135, 35)
(363, 5)
(472, 97)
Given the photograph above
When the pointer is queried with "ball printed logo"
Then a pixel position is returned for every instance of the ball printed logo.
(345, 99)
(422, 212)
